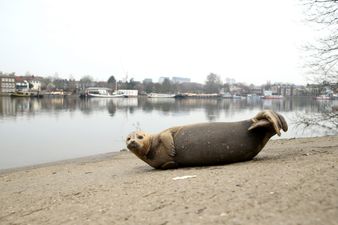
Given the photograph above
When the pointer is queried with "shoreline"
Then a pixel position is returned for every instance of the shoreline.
(292, 181)
(107, 156)
(84, 159)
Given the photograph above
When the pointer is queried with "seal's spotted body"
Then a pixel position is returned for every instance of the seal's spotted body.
(222, 143)
(206, 143)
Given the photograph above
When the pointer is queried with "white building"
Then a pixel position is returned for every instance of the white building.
(36, 85)
(7, 85)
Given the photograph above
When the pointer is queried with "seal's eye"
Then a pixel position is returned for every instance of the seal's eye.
(140, 137)
(128, 139)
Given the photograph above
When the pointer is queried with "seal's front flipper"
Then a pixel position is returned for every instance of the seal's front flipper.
(169, 165)
(167, 140)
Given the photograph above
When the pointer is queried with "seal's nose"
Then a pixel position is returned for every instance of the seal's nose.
(132, 144)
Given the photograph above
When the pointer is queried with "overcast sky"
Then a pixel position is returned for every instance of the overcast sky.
(250, 41)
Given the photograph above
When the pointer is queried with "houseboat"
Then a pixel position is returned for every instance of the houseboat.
(159, 95)
(228, 95)
(270, 95)
(26, 93)
(128, 93)
(194, 95)
(100, 93)
(323, 97)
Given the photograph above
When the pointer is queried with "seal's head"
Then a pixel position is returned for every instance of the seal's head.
(139, 143)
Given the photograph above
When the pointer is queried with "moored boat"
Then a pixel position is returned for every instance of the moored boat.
(238, 97)
(322, 97)
(227, 95)
(25, 93)
(160, 95)
(270, 95)
(273, 97)
(194, 95)
(56, 94)
(99, 93)
(21, 94)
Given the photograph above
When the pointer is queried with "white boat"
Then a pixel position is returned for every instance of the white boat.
(238, 97)
(270, 95)
(22, 93)
(335, 96)
(127, 92)
(273, 97)
(227, 95)
(252, 96)
(197, 95)
(26, 93)
(230, 96)
(56, 94)
(322, 97)
(100, 93)
(159, 95)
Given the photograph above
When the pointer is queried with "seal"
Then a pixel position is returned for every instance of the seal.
(206, 144)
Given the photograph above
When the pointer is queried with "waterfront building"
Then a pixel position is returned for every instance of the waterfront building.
(287, 90)
(7, 85)
(36, 85)
(28, 82)
(257, 90)
(276, 89)
(235, 89)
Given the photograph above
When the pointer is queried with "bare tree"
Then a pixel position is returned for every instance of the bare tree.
(112, 82)
(166, 86)
(213, 83)
(86, 81)
(327, 119)
(322, 60)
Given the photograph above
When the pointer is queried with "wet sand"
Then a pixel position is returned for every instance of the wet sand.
(291, 181)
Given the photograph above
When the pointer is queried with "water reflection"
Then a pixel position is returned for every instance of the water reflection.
(213, 108)
(51, 129)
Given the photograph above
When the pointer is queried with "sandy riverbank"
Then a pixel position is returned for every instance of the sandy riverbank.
(290, 182)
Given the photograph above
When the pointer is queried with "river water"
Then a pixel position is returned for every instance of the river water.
(34, 131)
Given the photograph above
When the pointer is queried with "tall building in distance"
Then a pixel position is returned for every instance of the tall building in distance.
(230, 81)
(147, 80)
(161, 79)
(180, 80)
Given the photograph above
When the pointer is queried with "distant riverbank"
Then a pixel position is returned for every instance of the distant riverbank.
(292, 181)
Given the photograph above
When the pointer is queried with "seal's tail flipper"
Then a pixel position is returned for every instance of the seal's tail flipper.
(269, 118)
(259, 123)
(283, 121)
